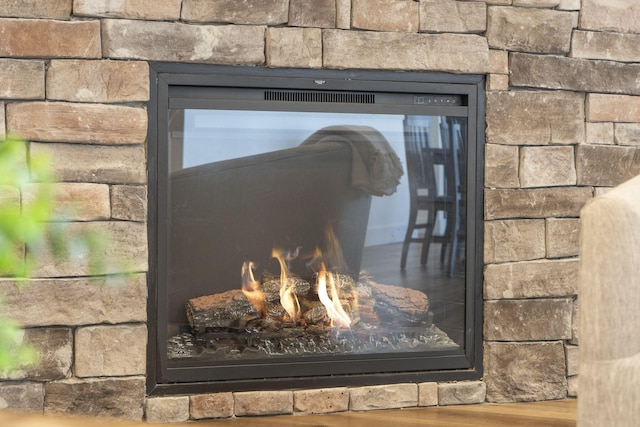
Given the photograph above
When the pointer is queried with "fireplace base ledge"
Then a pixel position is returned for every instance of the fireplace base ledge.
(173, 409)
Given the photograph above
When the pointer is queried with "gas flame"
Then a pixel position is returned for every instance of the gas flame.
(288, 298)
(251, 289)
(334, 254)
(333, 306)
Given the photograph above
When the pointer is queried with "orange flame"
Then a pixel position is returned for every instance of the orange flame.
(251, 289)
(288, 298)
(333, 306)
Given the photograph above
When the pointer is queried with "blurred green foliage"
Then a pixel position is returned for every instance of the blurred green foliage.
(21, 225)
(28, 229)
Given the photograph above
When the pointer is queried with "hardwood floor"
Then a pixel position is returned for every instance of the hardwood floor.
(558, 413)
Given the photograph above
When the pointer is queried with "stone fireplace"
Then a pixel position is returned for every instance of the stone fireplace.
(562, 107)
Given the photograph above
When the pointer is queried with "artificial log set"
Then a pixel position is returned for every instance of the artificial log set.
(325, 312)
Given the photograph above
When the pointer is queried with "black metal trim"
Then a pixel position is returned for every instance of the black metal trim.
(164, 76)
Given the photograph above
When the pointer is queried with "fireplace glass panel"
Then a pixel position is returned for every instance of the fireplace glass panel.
(277, 250)
(313, 228)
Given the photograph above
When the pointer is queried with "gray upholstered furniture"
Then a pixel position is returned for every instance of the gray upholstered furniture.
(609, 298)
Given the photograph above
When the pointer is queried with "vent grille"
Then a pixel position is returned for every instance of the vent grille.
(316, 96)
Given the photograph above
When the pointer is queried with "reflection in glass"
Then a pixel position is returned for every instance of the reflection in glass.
(248, 203)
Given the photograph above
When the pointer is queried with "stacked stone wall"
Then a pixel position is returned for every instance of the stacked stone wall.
(562, 125)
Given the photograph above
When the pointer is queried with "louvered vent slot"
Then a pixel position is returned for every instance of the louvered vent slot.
(313, 96)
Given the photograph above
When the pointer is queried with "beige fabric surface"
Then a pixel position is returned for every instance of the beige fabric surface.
(609, 304)
(376, 168)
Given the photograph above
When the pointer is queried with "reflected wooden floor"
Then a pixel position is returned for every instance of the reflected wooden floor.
(558, 413)
(446, 294)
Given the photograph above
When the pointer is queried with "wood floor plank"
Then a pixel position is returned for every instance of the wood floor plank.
(560, 413)
(533, 414)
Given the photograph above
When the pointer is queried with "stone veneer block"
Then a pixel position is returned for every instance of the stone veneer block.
(383, 397)
(343, 14)
(501, 166)
(95, 163)
(74, 201)
(50, 39)
(450, 16)
(125, 251)
(599, 133)
(214, 405)
(98, 81)
(575, 320)
(103, 351)
(385, 15)
(498, 61)
(536, 3)
(27, 397)
(321, 401)
(572, 386)
(178, 42)
(459, 53)
(129, 202)
(563, 237)
(461, 393)
(528, 319)
(250, 403)
(535, 118)
(241, 12)
(569, 5)
(514, 240)
(312, 13)
(79, 301)
(168, 10)
(605, 45)
(98, 397)
(529, 30)
(572, 354)
(81, 123)
(53, 9)
(613, 108)
(627, 133)
(606, 166)
(604, 15)
(294, 47)
(535, 203)
(524, 371)
(427, 394)
(574, 74)
(531, 279)
(547, 166)
(21, 79)
(172, 409)
(497, 82)
(55, 348)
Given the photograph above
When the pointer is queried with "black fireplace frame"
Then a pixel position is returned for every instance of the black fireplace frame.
(446, 365)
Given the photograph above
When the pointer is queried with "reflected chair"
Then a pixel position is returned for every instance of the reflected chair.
(425, 201)
(436, 185)
(454, 144)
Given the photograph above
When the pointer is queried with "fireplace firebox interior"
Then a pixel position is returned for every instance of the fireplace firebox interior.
(313, 226)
